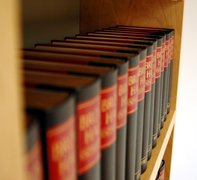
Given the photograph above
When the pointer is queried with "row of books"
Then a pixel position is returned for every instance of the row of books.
(96, 102)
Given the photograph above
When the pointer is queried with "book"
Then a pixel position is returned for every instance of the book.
(54, 112)
(166, 80)
(109, 81)
(158, 31)
(107, 75)
(155, 31)
(141, 109)
(170, 67)
(83, 51)
(34, 163)
(132, 55)
(136, 40)
(140, 34)
(95, 46)
(147, 101)
(88, 122)
(166, 74)
(100, 41)
(104, 46)
(140, 131)
(161, 113)
(131, 109)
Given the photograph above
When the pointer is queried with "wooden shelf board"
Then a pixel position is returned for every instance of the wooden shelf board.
(159, 150)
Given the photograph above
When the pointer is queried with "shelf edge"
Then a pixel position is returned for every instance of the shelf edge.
(159, 150)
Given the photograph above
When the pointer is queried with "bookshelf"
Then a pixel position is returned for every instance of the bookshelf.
(11, 130)
(89, 15)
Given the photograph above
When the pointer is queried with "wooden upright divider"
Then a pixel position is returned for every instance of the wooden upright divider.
(11, 121)
(161, 13)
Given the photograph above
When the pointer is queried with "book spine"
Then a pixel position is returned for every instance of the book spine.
(157, 95)
(166, 77)
(161, 90)
(141, 94)
(147, 108)
(60, 150)
(34, 166)
(133, 83)
(170, 71)
(108, 132)
(122, 96)
(164, 94)
(88, 138)
(152, 105)
(58, 138)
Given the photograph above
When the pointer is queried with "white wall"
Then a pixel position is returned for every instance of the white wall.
(184, 162)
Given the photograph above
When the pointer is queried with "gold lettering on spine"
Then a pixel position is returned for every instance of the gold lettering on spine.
(122, 90)
(158, 62)
(88, 134)
(108, 116)
(65, 165)
(148, 74)
(60, 148)
(107, 103)
(133, 91)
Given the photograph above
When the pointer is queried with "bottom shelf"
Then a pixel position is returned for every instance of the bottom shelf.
(160, 149)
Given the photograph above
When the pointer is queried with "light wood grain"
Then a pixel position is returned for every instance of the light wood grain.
(167, 156)
(11, 130)
(160, 149)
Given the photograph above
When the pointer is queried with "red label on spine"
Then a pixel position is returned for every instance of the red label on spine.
(158, 62)
(163, 56)
(133, 75)
(61, 150)
(88, 114)
(34, 162)
(122, 101)
(153, 66)
(141, 83)
(172, 47)
(169, 50)
(108, 116)
(148, 75)
(166, 54)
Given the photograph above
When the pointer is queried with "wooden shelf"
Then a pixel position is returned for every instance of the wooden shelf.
(90, 15)
(11, 118)
(159, 151)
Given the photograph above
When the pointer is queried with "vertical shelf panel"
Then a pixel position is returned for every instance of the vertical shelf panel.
(11, 130)
(167, 156)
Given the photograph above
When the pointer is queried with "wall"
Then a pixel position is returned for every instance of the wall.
(45, 20)
(184, 161)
